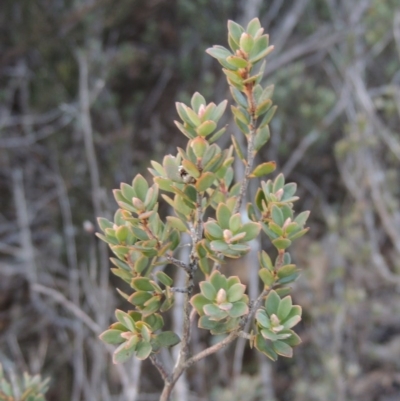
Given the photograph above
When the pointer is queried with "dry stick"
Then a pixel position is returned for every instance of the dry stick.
(73, 279)
(196, 233)
(23, 223)
(87, 130)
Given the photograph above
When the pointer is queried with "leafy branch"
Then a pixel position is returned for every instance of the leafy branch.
(199, 180)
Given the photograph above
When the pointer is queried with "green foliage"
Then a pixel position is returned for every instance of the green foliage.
(199, 180)
(274, 322)
(220, 303)
(27, 388)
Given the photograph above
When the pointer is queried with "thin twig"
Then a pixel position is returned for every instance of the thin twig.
(160, 367)
(179, 263)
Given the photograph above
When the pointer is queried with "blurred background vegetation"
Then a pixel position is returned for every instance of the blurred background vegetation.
(87, 93)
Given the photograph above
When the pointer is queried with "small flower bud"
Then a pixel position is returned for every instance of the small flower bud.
(202, 109)
(227, 236)
(246, 42)
(137, 203)
(127, 335)
(221, 296)
(286, 223)
(279, 194)
(275, 320)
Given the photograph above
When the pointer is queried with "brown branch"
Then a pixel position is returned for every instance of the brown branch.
(179, 263)
(160, 367)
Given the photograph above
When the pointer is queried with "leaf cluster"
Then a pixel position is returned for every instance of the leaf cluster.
(199, 180)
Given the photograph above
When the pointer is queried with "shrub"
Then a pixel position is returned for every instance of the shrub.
(199, 180)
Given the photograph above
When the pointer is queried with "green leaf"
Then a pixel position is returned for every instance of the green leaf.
(241, 115)
(205, 181)
(238, 97)
(286, 271)
(267, 277)
(139, 298)
(168, 339)
(208, 290)
(238, 309)
(275, 228)
(238, 149)
(261, 138)
(213, 230)
(155, 321)
(122, 233)
(236, 292)
(206, 128)
(239, 248)
(198, 301)
(142, 284)
(141, 187)
(235, 223)
(219, 111)
(187, 131)
(263, 107)
(218, 52)
(277, 215)
(268, 117)
(112, 337)
(232, 44)
(298, 234)
(281, 243)
(124, 318)
(246, 42)
(191, 168)
(237, 61)
(279, 182)
(167, 304)
(104, 223)
(289, 323)
(151, 306)
(145, 332)
(122, 354)
(223, 215)
(171, 168)
(269, 335)
(128, 192)
(263, 319)
(217, 135)
(177, 223)
(285, 306)
(218, 280)
(206, 323)
(197, 101)
(164, 278)
(265, 348)
(272, 303)
(204, 266)
(257, 57)
(143, 350)
(259, 49)
(235, 31)
(251, 229)
(219, 246)
(233, 77)
(253, 26)
(265, 261)
(301, 219)
(293, 340)
(214, 313)
(283, 349)
(263, 169)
